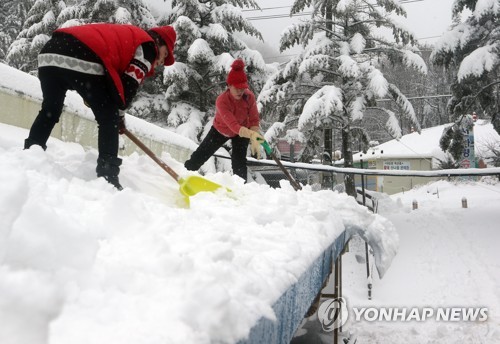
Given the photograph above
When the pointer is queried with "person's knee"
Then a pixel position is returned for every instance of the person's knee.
(107, 118)
(49, 115)
(108, 127)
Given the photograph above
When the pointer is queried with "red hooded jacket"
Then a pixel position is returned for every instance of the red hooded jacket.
(114, 44)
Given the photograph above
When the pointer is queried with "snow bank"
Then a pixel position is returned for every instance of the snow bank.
(84, 263)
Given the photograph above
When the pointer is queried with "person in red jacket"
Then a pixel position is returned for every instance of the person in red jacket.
(236, 119)
(105, 64)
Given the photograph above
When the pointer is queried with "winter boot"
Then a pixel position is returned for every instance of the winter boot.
(30, 142)
(109, 168)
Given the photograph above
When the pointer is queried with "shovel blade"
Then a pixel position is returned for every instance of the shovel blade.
(191, 185)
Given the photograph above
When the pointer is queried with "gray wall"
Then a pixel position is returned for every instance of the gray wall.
(20, 109)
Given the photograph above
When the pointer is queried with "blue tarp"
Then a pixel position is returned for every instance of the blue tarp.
(291, 307)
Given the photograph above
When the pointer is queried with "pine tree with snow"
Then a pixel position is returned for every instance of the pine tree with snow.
(134, 12)
(430, 91)
(337, 77)
(452, 141)
(12, 16)
(205, 48)
(37, 28)
(472, 46)
(47, 15)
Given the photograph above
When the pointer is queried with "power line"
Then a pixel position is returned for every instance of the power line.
(287, 55)
(276, 16)
(420, 97)
(285, 15)
(428, 37)
(409, 1)
(289, 6)
(265, 9)
(292, 55)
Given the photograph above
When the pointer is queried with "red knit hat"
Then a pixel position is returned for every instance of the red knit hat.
(167, 33)
(237, 76)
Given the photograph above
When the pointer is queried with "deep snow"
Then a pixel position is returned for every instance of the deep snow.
(81, 262)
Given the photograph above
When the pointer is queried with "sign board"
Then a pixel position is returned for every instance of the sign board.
(397, 165)
(468, 156)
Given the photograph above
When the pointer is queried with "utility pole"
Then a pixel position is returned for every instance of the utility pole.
(327, 132)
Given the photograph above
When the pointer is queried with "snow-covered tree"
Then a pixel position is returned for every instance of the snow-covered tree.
(37, 28)
(134, 12)
(47, 15)
(430, 92)
(472, 46)
(206, 46)
(12, 16)
(452, 141)
(337, 77)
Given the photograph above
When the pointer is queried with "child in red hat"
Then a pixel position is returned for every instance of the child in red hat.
(105, 64)
(236, 119)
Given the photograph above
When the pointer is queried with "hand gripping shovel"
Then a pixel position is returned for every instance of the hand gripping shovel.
(188, 186)
(292, 180)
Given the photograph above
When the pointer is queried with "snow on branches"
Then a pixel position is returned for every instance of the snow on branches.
(481, 60)
(414, 60)
(323, 103)
(200, 52)
(274, 131)
(473, 45)
(234, 20)
(377, 83)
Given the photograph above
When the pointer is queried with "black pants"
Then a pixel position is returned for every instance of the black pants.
(213, 141)
(94, 89)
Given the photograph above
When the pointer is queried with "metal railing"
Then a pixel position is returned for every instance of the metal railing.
(328, 177)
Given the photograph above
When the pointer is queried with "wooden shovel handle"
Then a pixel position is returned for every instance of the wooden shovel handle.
(293, 182)
(152, 155)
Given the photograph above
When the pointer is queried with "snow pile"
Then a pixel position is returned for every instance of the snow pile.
(83, 263)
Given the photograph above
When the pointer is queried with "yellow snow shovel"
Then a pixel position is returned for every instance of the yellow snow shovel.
(188, 186)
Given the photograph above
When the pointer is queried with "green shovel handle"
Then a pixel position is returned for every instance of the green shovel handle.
(266, 146)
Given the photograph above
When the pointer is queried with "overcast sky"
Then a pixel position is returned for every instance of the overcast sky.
(427, 19)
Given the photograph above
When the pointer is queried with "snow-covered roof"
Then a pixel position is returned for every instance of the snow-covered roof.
(85, 263)
(426, 144)
(101, 266)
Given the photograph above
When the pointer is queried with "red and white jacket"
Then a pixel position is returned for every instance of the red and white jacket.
(231, 114)
(120, 47)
